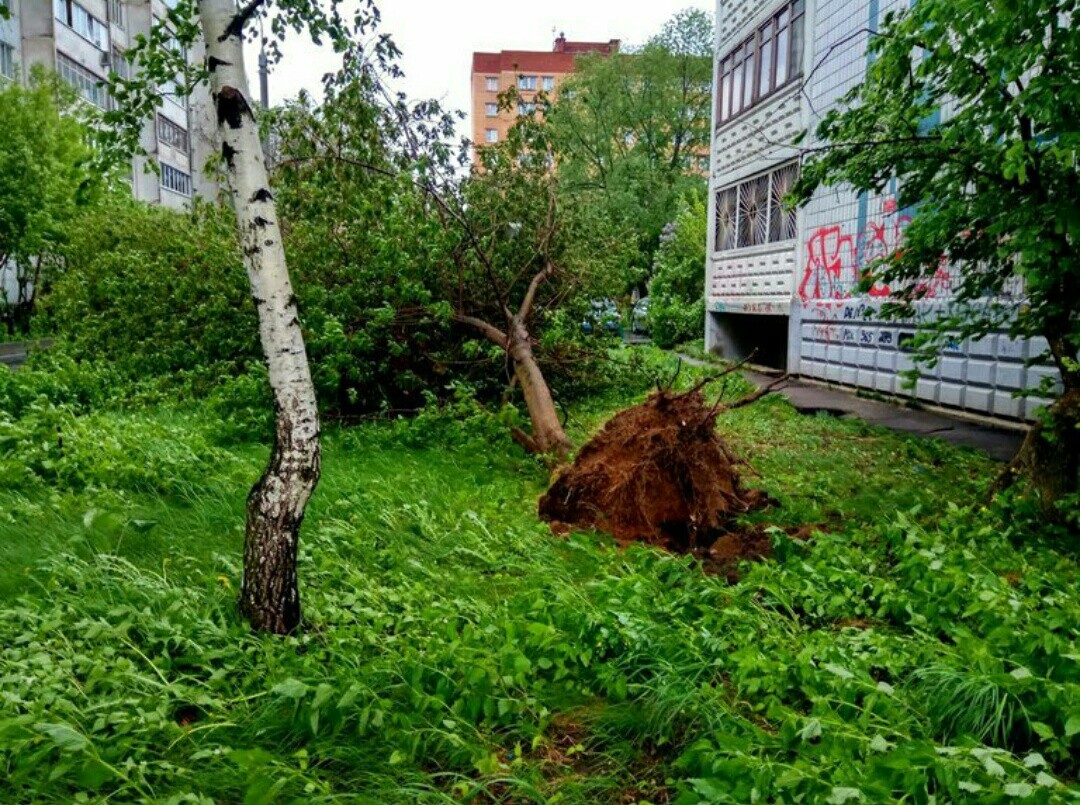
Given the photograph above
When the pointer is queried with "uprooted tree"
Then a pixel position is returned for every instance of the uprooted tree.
(521, 248)
(973, 107)
(525, 247)
(269, 595)
(502, 255)
(659, 472)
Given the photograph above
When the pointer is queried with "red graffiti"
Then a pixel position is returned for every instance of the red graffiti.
(836, 262)
(828, 250)
(938, 285)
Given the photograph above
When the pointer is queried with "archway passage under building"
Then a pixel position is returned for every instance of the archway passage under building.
(737, 336)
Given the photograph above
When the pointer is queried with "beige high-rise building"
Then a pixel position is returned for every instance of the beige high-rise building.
(82, 40)
(531, 71)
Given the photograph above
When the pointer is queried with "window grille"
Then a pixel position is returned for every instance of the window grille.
(752, 213)
(175, 180)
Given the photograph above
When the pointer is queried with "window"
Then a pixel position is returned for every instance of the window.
(116, 13)
(120, 64)
(548, 83)
(82, 22)
(172, 135)
(175, 179)
(170, 89)
(491, 135)
(526, 108)
(7, 60)
(762, 63)
(492, 109)
(752, 212)
(527, 82)
(492, 83)
(85, 83)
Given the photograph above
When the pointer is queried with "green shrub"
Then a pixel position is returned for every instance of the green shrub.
(676, 292)
(155, 292)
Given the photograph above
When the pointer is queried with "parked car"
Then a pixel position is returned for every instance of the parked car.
(603, 316)
(639, 316)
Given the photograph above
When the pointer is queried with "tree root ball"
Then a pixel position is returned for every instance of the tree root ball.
(659, 473)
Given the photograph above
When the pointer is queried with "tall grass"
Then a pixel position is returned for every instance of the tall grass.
(454, 649)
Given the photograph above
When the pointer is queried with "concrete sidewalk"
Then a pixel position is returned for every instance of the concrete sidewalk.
(12, 354)
(810, 398)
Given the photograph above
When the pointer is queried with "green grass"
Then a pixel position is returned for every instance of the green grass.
(916, 646)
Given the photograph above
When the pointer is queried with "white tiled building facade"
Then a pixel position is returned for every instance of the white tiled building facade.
(782, 284)
(82, 40)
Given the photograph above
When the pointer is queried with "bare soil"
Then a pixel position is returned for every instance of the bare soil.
(659, 473)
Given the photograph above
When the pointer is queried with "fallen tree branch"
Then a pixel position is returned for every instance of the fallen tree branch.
(525, 440)
(733, 368)
(491, 332)
(667, 387)
(757, 395)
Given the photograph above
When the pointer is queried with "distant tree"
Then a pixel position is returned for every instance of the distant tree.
(269, 596)
(44, 179)
(975, 109)
(634, 127)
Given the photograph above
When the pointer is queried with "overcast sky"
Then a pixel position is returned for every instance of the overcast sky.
(438, 37)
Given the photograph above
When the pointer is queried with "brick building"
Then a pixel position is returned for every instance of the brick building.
(531, 71)
(785, 283)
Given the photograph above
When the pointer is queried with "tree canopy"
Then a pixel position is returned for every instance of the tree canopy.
(974, 110)
(634, 127)
(44, 178)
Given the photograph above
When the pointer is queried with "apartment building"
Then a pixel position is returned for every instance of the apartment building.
(783, 285)
(82, 41)
(531, 71)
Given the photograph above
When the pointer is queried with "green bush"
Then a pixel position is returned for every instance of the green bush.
(155, 292)
(676, 292)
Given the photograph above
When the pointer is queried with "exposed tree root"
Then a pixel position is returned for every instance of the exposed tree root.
(659, 473)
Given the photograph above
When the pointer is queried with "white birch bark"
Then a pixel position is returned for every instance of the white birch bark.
(269, 595)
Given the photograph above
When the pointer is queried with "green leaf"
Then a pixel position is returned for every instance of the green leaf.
(1034, 760)
(1072, 726)
(64, 736)
(879, 744)
(1044, 731)
(840, 795)
(291, 689)
(1019, 790)
(838, 670)
(811, 731)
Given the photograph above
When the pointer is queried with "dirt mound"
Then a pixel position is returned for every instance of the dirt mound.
(659, 473)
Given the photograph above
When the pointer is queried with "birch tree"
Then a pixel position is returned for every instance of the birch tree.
(269, 596)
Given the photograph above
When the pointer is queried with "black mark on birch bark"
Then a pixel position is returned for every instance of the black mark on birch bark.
(232, 106)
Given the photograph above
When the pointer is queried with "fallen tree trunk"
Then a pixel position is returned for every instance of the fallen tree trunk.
(548, 436)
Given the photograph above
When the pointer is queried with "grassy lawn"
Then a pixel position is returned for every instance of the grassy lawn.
(917, 646)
